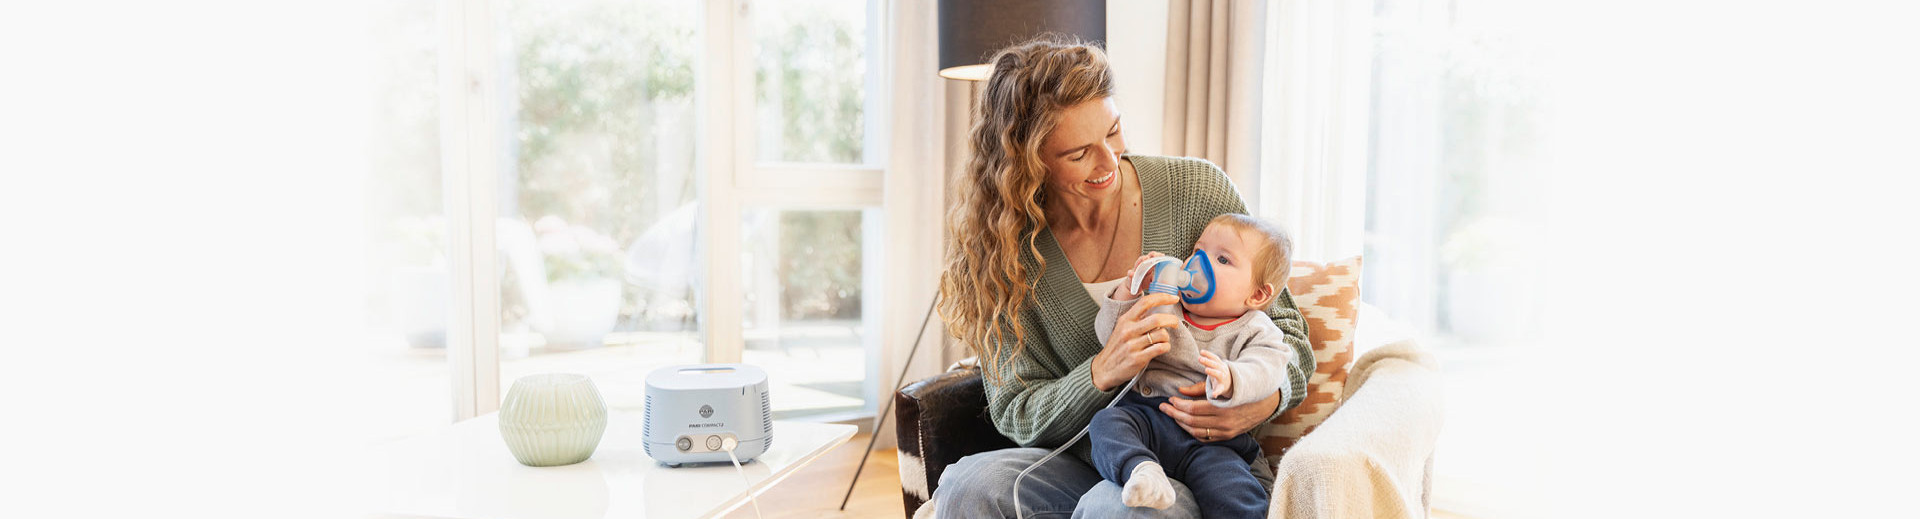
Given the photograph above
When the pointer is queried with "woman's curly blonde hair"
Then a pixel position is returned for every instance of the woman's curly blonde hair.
(998, 197)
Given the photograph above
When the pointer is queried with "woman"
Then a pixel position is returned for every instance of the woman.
(1051, 210)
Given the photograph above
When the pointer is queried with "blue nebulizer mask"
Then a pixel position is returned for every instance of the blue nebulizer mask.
(1192, 280)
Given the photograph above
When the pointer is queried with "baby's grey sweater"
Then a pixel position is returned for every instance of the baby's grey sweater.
(1256, 352)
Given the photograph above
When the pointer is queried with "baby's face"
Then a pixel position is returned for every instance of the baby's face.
(1232, 253)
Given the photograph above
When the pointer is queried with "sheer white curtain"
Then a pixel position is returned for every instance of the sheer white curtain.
(920, 155)
(1213, 65)
(1278, 95)
(1315, 89)
(1403, 245)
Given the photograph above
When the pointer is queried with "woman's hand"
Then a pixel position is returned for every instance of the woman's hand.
(1208, 423)
(1127, 293)
(1139, 335)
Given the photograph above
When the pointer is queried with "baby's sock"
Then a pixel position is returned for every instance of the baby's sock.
(1148, 487)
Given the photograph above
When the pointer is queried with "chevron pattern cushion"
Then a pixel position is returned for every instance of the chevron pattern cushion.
(1328, 295)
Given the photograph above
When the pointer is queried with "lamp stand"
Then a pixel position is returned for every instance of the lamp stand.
(881, 421)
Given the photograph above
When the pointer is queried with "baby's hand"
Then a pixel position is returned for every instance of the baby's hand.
(1144, 281)
(1218, 376)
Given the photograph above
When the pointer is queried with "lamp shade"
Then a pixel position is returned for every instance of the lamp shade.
(972, 30)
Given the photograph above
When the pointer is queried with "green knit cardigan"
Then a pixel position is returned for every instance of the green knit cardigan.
(1045, 395)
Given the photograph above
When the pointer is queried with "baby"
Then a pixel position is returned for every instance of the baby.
(1227, 341)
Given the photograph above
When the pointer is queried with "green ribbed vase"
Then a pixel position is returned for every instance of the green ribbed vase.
(553, 419)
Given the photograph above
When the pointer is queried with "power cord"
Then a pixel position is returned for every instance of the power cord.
(728, 444)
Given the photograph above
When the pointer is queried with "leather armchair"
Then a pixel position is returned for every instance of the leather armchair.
(940, 420)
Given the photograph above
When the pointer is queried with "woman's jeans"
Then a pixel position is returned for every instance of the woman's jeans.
(981, 485)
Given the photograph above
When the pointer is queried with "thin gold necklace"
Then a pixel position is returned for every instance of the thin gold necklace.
(1101, 264)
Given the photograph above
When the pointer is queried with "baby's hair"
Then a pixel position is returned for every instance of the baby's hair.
(1273, 256)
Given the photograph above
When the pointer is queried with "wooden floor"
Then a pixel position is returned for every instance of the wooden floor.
(815, 490)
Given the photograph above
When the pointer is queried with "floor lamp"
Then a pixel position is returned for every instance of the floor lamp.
(970, 32)
(881, 421)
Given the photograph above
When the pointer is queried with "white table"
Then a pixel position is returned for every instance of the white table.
(465, 470)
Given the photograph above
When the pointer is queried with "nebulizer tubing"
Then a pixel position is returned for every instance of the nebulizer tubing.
(1021, 513)
(1193, 283)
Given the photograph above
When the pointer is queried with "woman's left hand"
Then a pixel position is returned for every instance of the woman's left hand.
(1210, 424)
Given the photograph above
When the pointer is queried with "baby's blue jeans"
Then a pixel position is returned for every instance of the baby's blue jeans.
(1219, 473)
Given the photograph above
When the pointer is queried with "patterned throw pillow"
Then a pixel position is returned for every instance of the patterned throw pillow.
(1328, 296)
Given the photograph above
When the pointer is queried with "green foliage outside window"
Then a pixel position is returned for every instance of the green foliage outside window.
(597, 83)
(604, 122)
(810, 76)
(820, 264)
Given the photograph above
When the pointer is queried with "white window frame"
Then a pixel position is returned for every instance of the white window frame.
(789, 186)
(732, 181)
(469, 80)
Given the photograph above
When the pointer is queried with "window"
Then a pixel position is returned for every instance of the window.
(806, 320)
(810, 214)
(1456, 153)
(598, 208)
(628, 230)
(811, 81)
(1456, 169)
(408, 274)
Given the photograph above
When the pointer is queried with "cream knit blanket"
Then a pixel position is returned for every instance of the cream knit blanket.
(1373, 456)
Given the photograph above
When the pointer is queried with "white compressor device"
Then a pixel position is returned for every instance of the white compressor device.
(692, 410)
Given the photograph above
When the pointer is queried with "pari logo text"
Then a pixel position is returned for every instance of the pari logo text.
(706, 411)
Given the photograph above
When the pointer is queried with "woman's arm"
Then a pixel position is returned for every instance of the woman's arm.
(1036, 405)
(1293, 326)
(1043, 399)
